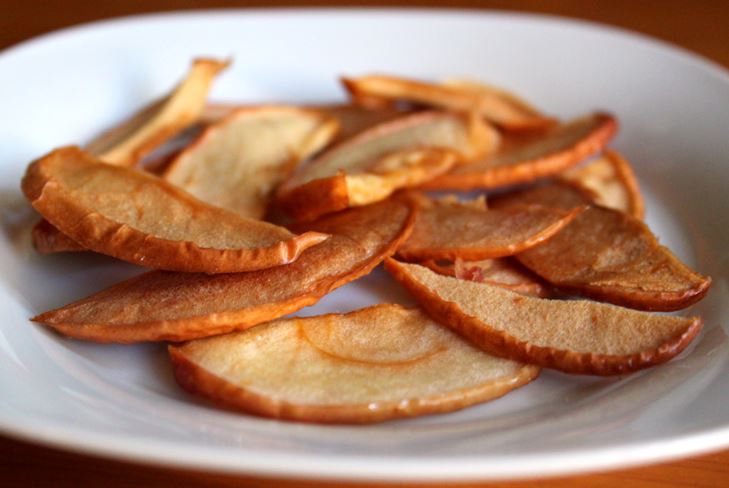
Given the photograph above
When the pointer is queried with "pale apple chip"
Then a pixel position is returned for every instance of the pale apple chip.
(128, 142)
(607, 255)
(525, 159)
(504, 272)
(370, 365)
(139, 218)
(496, 105)
(450, 230)
(160, 305)
(401, 153)
(574, 336)
(613, 182)
(237, 163)
(47, 239)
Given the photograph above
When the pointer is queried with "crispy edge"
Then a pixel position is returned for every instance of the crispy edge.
(222, 322)
(96, 232)
(504, 345)
(531, 170)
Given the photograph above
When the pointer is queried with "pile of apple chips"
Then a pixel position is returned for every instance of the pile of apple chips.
(248, 213)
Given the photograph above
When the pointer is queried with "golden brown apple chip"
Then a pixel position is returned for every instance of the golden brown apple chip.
(47, 239)
(401, 153)
(524, 159)
(607, 255)
(137, 217)
(370, 365)
(504, 272)
(612, 180)
(236, 163)
(450, 230)
(496, 105)
(160, 305)
(574, 336)
(128, 142)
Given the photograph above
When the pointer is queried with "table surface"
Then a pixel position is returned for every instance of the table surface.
(700, 26)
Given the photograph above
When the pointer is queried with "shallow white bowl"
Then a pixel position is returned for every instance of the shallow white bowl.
(122, 402)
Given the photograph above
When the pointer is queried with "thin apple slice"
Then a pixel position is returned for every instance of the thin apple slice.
(613, 181)
(370, 166)
(525, 159)
(440, 266)
(574, 336)
(450, 230)
(236, 163)
(354, 119)
(496, 105)
(137, 217)
(128, 142)
(607, 255)
(370, 365)
(165, 306)
(47, 239)
(504, 272)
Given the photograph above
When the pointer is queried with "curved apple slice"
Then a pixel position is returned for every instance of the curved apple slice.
(501, 272)
(525, 159)
(450, 230)
(370, 365)
(368, 167)
(140, 218)
(236, 163)
(613, 181)
(164, 306)
(496, 105)
(47, 239)
(607, 255)
(574, 336)
(128, 142)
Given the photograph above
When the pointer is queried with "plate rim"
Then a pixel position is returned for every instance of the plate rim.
(357, 467)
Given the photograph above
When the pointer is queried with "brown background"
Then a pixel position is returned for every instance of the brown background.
(701, 26)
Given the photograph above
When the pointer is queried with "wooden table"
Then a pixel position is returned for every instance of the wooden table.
(701, 26)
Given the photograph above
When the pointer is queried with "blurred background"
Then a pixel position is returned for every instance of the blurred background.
(700, 25)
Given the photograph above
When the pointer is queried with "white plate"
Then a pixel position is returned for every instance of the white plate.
(122, 402)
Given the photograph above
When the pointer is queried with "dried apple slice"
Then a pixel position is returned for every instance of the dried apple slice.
(137, 217)
(47, 239)
(354, 119)
(607, 255)
(504, 272)
(237, 163)
(574, 336)
(612, 180)
(496, 105)
(370, 365)
(158, 305)
(450, 230)
(525, 159)
(127, 143)
(440, 266)
(370, 166)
